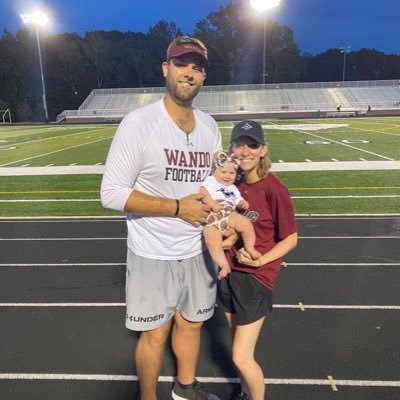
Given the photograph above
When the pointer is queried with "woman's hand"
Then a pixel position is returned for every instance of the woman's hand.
(244, 258)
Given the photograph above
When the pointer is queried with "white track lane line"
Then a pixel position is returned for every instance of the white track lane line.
(204, 379)
(300, 306)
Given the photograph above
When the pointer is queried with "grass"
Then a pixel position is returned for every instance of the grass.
(313, 192)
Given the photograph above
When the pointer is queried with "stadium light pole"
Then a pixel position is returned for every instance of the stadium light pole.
(345, 51)
(263, 6)
(39, 18)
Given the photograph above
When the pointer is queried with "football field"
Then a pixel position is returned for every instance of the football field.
(62, 291)
(331, 166)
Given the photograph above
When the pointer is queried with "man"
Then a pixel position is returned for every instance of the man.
(158, 159)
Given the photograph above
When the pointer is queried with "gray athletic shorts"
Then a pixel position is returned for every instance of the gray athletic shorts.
(155, 289)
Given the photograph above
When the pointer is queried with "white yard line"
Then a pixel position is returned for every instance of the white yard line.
(346, 197)
(371, 130)
(293, 197)
(53, 152)
(284, 166)
(345, 144)
(67, 135)
(49, 200)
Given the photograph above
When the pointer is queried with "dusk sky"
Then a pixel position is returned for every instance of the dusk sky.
(317, 24)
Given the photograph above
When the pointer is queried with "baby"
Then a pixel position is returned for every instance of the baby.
(223, 197)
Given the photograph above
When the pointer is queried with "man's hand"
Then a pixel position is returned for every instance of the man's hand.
(217, 207)
(192, 209)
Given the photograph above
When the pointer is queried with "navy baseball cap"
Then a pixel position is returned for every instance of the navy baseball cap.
(251, 129)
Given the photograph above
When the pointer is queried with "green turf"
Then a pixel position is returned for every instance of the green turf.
(314, 192)
(332, 187)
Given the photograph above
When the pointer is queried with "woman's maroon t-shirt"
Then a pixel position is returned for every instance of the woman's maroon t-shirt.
(271, 212)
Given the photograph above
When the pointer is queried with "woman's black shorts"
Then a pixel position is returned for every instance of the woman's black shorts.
(242, 295)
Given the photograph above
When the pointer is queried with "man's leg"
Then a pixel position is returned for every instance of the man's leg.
(197, 302)
(186, 346)
(148, 357)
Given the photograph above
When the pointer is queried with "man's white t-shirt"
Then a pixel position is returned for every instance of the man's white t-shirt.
(151, 154)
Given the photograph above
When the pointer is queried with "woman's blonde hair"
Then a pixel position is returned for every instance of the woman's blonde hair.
(264, 166)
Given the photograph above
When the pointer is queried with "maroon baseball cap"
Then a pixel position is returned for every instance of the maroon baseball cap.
(179, 50)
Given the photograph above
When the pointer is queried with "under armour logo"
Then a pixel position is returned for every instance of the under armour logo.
(247, 126)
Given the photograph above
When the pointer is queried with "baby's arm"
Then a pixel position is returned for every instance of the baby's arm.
(209, 201)
(242, 205)
(240, 202)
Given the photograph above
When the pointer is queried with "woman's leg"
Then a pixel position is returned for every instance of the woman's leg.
(232, 326)
(243, 345)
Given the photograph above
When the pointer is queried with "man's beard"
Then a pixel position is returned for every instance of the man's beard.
(183, 98)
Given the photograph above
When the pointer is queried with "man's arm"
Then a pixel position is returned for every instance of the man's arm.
(190, 208)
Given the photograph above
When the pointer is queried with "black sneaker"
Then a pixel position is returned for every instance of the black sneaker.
(239, 396)
(195, 391)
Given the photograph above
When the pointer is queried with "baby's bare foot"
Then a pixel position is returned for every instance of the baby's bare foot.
(254, 253)
(223, 273)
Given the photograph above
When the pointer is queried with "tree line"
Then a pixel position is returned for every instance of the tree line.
(74, 64)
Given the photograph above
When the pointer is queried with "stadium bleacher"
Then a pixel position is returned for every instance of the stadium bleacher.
(297, 100)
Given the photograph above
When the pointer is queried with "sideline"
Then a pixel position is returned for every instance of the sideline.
(276, 167)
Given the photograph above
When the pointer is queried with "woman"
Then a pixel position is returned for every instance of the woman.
(246, 294)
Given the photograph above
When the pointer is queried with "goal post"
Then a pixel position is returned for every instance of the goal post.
(3, 116)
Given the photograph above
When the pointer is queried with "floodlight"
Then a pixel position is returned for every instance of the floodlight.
(37, 18)
(345, 51)
(262, 5)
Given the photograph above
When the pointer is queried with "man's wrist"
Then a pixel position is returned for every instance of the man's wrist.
(178, 208)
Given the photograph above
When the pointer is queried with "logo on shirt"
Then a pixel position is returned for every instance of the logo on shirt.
(187, 166)
(251, 215)
(227, 193)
